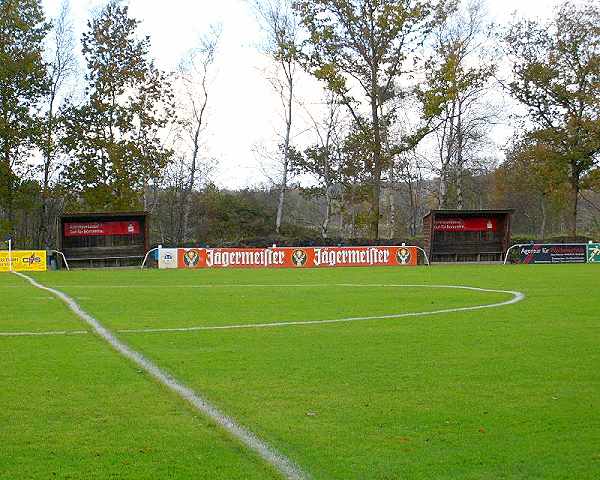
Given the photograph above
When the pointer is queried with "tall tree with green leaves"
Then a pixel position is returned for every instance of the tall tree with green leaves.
(556, 75)
(23, 83)
(365, 51)
(532, 169)
(114, 136)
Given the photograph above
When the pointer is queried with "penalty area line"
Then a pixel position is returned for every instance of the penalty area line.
(284, 465)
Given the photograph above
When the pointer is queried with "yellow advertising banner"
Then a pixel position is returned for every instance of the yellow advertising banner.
(23, 260)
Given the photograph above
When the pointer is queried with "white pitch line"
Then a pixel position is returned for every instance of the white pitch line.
(217, 285)
(517, 297)
(284, 465)
(268, 285)
(42, 334)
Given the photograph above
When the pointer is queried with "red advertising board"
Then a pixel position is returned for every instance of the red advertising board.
(472, 224)
(78, 229)
(292, 257)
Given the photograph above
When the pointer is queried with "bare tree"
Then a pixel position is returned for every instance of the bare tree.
(172, 195)
(194, 74)
(61, 67)
(322, 161)
(280, 24)
(463, 76)
(410, 170)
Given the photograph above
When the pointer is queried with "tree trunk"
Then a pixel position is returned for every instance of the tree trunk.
(459, 160)
(187, 194)
(459, 191)
(574, 201)
(10, 212)
(392, 222)
(281, 201)
(341, 207)
(48, 154)
(377, 167)
(443, 188)
(543, 225)
(325, 224)
(286, 155)
(44, 239)
(446, 153)
(412, 209)
(392, 204)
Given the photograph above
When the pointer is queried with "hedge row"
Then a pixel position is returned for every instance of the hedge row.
(264, 242)
(306, 241)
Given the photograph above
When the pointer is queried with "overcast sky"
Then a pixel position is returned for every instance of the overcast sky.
(244, 111)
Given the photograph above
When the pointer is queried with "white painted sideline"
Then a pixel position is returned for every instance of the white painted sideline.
(516, 297)
(284, 465)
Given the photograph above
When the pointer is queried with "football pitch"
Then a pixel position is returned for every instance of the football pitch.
(350, 373)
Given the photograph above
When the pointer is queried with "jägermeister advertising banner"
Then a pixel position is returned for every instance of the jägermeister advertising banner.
(289, 257)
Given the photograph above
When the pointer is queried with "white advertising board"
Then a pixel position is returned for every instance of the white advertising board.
(167, 258)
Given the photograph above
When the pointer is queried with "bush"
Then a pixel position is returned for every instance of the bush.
(306, 240)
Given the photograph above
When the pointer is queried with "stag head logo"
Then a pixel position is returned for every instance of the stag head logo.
(299, 258)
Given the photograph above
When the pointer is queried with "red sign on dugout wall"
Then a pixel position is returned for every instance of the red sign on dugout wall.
(101, 228)
(474, 224)
(292, 257)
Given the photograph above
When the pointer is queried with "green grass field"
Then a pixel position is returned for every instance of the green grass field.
(505, 393)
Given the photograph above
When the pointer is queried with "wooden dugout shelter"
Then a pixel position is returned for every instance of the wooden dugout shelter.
(107, 239)
(467, 235)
